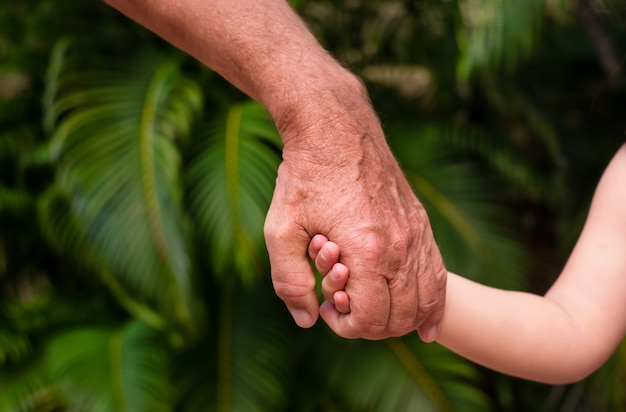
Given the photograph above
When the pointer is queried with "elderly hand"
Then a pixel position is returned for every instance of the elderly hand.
(339, 178)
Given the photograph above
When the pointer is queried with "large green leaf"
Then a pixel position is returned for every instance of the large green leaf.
(231, 180)
(112, 369)
(116, 200)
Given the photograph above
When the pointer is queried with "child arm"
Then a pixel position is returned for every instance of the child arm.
(568, 333)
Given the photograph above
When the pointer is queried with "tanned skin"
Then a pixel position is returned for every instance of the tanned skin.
(338, 176)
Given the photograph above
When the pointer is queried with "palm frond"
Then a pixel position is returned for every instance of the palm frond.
(24, 323)
(26, 379)
(520, 172)
(473, 227)
(118, 178)
(231, 181)
(399, 374)
(246, 361)
(498, 35)
(112, 369)
(29, 389)
(512, 101)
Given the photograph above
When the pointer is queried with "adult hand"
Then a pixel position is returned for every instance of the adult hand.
(339, 178)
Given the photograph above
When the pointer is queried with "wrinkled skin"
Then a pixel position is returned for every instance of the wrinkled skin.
(338, 177)
(350, 188)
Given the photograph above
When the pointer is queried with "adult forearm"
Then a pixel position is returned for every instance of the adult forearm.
(260, 46)
(338, 176)
(516, 333)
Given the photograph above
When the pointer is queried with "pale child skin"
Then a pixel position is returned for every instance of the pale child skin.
(560, 337)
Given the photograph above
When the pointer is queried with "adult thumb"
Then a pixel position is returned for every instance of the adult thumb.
(292, 274)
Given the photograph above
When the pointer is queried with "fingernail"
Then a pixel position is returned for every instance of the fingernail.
(301, 317)
(431, 334)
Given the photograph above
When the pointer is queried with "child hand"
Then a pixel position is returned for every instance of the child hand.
(335, 275)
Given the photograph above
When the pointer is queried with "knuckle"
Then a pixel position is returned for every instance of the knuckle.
(273, 229)
(371, 250)
(371, 242)
(283, 231)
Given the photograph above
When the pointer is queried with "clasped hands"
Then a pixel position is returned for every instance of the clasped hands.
(339, 178)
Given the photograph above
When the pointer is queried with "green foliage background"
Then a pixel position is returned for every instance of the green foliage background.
(134, 184)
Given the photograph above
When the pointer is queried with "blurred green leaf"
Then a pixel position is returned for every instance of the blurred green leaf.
(122, 369)
(116, 201)
(15, 200)
(498, 35)
(29, 389)
(231, 180)
(473, 230)
(246, 361)
(399, 374)
(502, 158)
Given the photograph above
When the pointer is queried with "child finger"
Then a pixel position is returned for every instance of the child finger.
(342, 301)
(335, 281)
(316, 244)
(327, 257)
